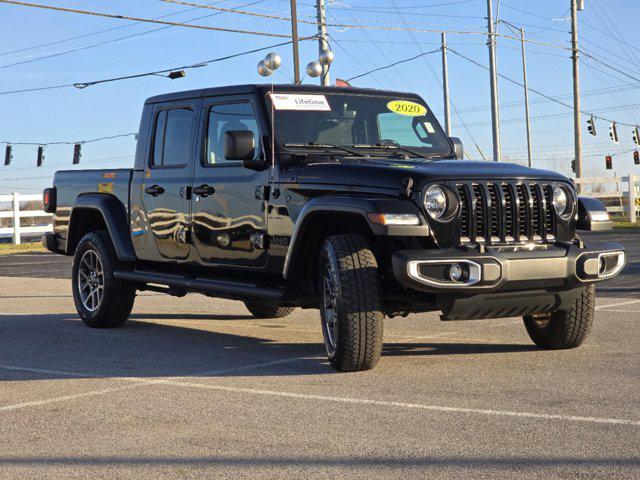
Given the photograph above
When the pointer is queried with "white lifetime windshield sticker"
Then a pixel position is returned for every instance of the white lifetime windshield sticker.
(314, 103)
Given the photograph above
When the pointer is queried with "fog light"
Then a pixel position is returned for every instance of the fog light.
(456, 272)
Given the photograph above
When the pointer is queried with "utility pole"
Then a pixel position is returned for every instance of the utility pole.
(323, 45)
(445, 86)
(576, 89)
(526, 96)
(294, 41)
(495, 114)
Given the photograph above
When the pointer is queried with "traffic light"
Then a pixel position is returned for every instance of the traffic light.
(636, 157)
(8, 155)
(609, 162)
(591, 126)
(573, 165)
(77, 153)
(613, 132)
(40, 156)
(636, 135)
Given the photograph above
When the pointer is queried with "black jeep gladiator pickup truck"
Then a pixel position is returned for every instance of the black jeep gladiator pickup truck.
(352, 201)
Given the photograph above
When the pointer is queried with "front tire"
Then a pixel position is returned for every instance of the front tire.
(566, 328)
(102, 301)
(350, 305)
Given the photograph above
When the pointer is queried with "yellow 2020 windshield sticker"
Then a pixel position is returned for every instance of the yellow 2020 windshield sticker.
(405, 107)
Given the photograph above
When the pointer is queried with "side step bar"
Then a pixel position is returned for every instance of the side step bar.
(204, 285)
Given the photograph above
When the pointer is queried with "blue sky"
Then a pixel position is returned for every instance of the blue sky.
(607, 30)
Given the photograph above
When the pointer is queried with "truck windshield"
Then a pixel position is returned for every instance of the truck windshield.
(385, 125)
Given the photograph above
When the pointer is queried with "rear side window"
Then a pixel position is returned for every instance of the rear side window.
(172, 141)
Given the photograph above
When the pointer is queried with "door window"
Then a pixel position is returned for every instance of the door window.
(172, 140)
(224, 118)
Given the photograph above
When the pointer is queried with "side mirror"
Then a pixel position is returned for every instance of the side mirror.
(592, 215)
(239, 145)
(458, 148)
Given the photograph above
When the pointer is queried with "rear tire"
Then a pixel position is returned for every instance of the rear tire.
(260, 310)
(566, 328)
(102, 301)
(350, 306)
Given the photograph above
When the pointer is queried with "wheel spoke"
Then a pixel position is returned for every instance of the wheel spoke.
(91, 281)
(329, 302)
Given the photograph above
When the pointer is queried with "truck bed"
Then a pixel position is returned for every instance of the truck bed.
(70, 184)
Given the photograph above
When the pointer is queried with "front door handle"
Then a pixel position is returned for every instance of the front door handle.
(154, 190)
(204, 190)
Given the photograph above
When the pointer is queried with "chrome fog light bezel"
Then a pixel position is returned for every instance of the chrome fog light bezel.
(471, 276)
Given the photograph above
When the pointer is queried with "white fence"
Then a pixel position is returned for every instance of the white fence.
(626, 194)
(17, 231)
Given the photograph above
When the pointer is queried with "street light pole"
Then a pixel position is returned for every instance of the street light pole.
(576, 89)
(495, 114)
(445, 86)
(295, 41)
(526, 96)
(323, 45)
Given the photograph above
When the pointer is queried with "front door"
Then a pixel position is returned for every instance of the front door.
(167, 179)
(229, 210)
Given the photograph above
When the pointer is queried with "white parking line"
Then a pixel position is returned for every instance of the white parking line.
(619, 304)
(65, 398)
(140, 382)
(250, 367)
(404, 405)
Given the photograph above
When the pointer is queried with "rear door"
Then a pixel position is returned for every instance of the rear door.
(167, 180)
(229, 210)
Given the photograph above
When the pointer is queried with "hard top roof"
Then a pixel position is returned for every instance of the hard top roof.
(253, 88)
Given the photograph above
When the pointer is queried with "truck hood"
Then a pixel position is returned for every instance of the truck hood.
(389, 173)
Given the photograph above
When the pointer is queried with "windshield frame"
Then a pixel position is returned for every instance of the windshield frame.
(381, 151)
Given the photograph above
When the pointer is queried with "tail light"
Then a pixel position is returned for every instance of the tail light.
(49, 200)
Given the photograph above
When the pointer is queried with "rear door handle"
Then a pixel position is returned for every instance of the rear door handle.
(204, 190)
(154, 190)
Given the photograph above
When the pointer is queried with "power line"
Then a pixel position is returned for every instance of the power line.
(205, 63)
(357, 26)
(437, 79)
(119, 39)
(145, 20)
(185, 67)
(618, 36)
(538, 92)
(392, 64)
(106, 30)
(93, 140)
(567, 96)
(621, 72)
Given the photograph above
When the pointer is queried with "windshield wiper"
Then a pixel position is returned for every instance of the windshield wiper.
(325, 145)
(389, 146)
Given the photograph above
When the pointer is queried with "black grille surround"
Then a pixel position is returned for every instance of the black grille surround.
(508, 212)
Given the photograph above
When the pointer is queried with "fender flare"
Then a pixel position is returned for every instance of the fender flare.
(115, 217)
(592, 215)
(360, 206)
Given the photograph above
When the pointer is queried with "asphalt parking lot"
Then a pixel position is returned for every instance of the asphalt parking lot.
(197, 388)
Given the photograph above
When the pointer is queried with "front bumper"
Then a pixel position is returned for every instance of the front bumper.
(512, 269)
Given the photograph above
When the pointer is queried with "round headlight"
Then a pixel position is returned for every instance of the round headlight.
(435, 201)
(562, 201)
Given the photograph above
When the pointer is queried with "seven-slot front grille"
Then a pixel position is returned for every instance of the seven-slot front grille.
(506, 212)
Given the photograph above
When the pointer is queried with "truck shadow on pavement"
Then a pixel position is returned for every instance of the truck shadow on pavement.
(343, 463)
(48, 346)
